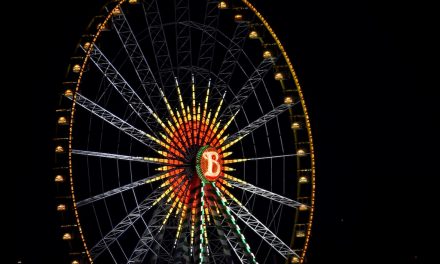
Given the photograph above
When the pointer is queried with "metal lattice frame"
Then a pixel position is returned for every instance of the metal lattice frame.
(231, 233)
(183, 37)
(108, 155)
(113, 120)
(118, 190)
(266, 194)
(257, 123)
(259, 228)
(227, 234)
(145, 243)
(124, 224)
(121, 85)
(207, 42)
(138, 61)
(160, 45)
(232, 57)
(247, 89)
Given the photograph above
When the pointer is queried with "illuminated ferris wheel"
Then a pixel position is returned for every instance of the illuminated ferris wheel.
(183, 137)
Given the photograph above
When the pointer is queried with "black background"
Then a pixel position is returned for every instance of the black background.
(368, 73)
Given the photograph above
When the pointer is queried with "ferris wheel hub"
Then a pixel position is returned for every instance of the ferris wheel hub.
(209, 164)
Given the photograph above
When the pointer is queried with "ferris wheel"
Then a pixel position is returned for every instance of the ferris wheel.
(183, 137)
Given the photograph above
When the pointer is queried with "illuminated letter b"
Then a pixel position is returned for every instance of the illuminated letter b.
(213, 169)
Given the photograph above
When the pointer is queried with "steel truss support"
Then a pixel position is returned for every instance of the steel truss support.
(113, 120)
(118, 190)
(266, 194)
(125, 224)
(144, 245)
(118, 156)
(248, 88)
(219, 250)
(137, 58)
(109, 155)
(160, 46)
(207, 42)
(272, 157)
(259, 228)
(234, 237)
(165, 236)
(232, 49)
(231, 58)
(122, 86)
(221, 245)
(257, 123)
(234, 243)
(183, 37)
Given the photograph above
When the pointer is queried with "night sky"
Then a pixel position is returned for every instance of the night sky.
(367, 70)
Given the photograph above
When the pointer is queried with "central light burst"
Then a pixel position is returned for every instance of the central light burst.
(195, 172)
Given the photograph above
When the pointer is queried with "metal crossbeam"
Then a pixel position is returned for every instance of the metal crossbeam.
(207, 42)
(109, 155)
(266, 194)
(248, 88)
(234, 237)
(231, 58)
(142, 247)
(134, 51)
(137, 58)
(166, 235)
(119, 157)
(158, 40)
(219, 250)
(124, 224)
(121, 85)
(183, 37)
(259, 228)
(144, 244)
(258, 123)
(234, 243)
(272, 157)
(237, 246)
(233, 52)
(117, 190)
(113, 120)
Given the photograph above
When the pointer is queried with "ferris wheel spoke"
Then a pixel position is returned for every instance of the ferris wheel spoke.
(125, 224)
(266, 194)
(232, 55)
(107, 155)
(234, 237)
(121, 157)
(248, 88)
(183, 37)
(127, 187)
(145, 243)
(159, 42)
(236, 244)
(261, 158)
(260, 229)
(218, 243)
(122, 86)
(137, 57)
(238, 249)
(142, 247)
(113, 120)
(207, 42)
(255, 125)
